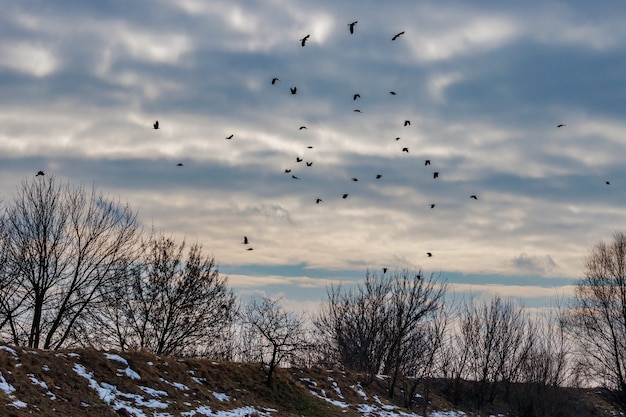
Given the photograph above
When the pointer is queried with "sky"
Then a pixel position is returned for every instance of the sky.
(484, 85)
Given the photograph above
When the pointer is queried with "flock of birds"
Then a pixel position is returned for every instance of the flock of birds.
(356, 96)
(308, 163)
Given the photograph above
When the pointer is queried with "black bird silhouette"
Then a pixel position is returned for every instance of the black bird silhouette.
(351, 26)
(407, 123)
(357, 110)
(309, 147)
(379, 176)
(398, 138)
(303, 40)
(245, 240)
(287, 171)
(355, 179)
(397, 35)
(302, 127)
(357, 95)
(474, 197)
(250, 249)
(418, 276)
(435, 174)
(429, 254)
(562, 125)
(298, 159)
(393, 93)
(156, 124)
(319, 200)
(294, 90)
(606, 182)
(229, 137)
(405, 150)
(309, 164)
(39, 174)
(179, 164)
(384, 270)
(274, 80)
(427, 162)
(344, 196)
(432, 206)
(294, 177)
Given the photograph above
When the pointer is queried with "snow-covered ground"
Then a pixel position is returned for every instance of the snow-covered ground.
(153, 402)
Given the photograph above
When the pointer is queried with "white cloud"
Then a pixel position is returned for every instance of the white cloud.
(33, 59)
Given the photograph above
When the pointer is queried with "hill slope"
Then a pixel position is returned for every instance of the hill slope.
(89, 382)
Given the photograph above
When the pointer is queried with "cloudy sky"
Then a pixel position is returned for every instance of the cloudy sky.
(484, 84)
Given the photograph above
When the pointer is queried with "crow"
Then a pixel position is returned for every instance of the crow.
(294, 90)
(474, 197)
(393, 93)
(407, 123)
(180, 164)
(397, 35)
(432, 206)
(427, 162)
(229, 137)
(250, 249)
(379, 176)
(357, 110)
(355, 179)
(303, 40)
(245, 240)
(155, 124)
(274, 80)
(344, 196)
(319, 200)
(40, 174)
(351, 26)
(384, 270)
(405, 150)
(309, 164)
(357, 95)
(294, 177)
(435, 174)
(562, 125)
(302, 127)
(287, 171)
(298, 159)
(398, 138)
(606, 182)
(429, 254)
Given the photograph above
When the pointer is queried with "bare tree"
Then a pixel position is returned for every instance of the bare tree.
(63, 247)
(172, 303)
(374, 326)
(279, 334)
(597, 317)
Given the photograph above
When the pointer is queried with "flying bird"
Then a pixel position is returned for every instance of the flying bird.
(606, 182)
(432, 206)
(407, 123)
(561, 125)
(39, 174)
(319, 200)
(355, 179)
(229, 137)
(155, 124)
(393, 93)
(473, 197)
(298, 159)
(344, 196)
(357, 95)
(397, 35)
(357, 110)
(180, 164)
(398, 138)
(309, 147)
(287, 171)
(294, 177)
(379, 176)
(274, 80)
(351, 26)
(429, 254)
(405, 150)
(302, 127)
(309, 164)
(435, 174)
(250, 249)
(294, 90)
(303, 40)
(427, 162)
(245, 240)
(384, 270)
